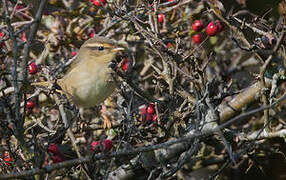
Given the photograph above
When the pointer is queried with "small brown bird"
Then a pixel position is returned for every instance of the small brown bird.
(88, 82)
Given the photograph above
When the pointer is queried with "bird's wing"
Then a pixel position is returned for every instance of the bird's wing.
(73, 64)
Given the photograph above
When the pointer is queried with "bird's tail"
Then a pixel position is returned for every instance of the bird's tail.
(55, 85)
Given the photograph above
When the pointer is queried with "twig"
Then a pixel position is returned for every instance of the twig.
(176, 6)
(137, 89)
(68, 125)
(193, 150)
(34, 28)
(226, 124)
(244, 98)
(254, 29)
(263, 135)
(18, 118)
(262, 81)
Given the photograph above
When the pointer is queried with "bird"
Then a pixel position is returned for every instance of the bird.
(88, 81)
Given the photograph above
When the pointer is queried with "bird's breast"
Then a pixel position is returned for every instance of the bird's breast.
(88, 85)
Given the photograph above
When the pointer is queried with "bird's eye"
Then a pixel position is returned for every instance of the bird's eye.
(100, 48)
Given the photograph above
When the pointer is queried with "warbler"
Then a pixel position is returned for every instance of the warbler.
(88, 82)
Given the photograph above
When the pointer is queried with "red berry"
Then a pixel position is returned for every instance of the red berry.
(197, 38)
(197, 26)
(219, 26)
(211, 29)
(92, 33)
(18, 7)
(125, 64)
(74, 53)
(143, 111)
(150, 110)
(57, 158)
(94, 144)
(23, 37)
(33, 68)
(53, 148)
(99, 3)
(30, 104)
(161, 18)
(107, 145)
(169, 45)
(1, 36)
(10, 126)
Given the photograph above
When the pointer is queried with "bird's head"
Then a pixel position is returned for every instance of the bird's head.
(99, 49)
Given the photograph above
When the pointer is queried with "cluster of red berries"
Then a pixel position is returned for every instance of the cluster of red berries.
(63, 152)
(212, 29)
(54, 150)
(33, 69)
(105, 146)
(7, 158)
(23, 38)
(148, 113)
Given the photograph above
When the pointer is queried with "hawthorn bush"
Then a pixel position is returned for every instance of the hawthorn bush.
(200, 91)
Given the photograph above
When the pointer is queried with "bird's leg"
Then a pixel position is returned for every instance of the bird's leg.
(81, 113)
(104, 114)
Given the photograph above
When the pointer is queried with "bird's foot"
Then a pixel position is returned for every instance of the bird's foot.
(106, 122)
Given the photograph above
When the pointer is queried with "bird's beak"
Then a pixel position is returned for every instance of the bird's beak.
(117, 49)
